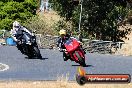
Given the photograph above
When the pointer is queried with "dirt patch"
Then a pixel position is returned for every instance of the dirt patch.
(57, 84)
(50, 17)
(126, 49)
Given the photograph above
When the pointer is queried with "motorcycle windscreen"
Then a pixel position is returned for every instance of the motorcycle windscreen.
(71, 45)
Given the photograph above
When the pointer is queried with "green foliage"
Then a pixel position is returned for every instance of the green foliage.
(11, 10)
(100, 18)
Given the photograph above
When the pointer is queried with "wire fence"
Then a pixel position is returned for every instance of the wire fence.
(91, 46)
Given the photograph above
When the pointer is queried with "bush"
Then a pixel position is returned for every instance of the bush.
(40, 26)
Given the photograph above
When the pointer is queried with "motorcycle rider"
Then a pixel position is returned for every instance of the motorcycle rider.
(16, 34)
(60, 43)
(64, 36)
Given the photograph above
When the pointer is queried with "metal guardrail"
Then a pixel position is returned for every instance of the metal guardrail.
(47, 41)
(101, 46)
(2, 33)
(2, 37)
(91, 46)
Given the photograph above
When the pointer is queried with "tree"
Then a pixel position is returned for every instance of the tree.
(100, 18)
(63, 7)
(20, 10)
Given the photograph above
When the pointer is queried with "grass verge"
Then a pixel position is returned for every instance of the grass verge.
(57, 84)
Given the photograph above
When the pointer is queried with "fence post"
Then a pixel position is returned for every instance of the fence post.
(39, 36)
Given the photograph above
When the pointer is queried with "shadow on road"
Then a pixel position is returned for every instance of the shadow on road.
(85, 66)
(44, 58)
(37, 58)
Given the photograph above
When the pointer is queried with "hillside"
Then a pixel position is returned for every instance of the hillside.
(126, 49)
(50, 17)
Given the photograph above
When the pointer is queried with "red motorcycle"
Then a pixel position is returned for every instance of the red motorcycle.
(74, 50)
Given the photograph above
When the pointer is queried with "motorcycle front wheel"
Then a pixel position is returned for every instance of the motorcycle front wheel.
(36, 52)
(81, 59)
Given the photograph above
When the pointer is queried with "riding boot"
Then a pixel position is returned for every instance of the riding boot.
(65, 56)
(83, 49)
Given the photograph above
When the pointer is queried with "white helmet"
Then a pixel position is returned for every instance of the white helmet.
(16, 25)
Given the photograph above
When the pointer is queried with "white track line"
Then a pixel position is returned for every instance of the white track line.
(6, 67)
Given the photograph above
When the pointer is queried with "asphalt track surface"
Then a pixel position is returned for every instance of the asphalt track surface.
(52, 66)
